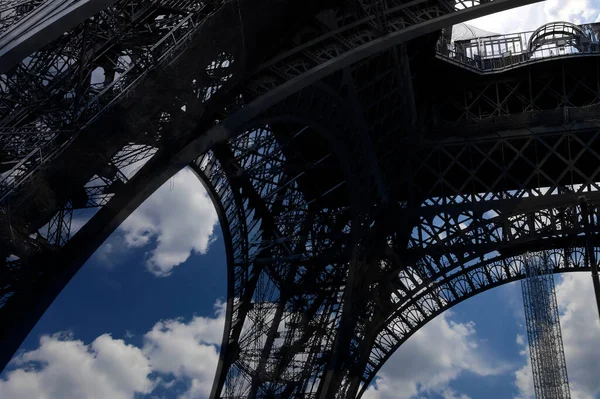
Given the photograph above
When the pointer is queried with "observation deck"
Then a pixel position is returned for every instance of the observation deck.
(496, 53)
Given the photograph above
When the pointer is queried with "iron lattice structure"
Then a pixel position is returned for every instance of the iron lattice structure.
(366, 177)
(543, 329)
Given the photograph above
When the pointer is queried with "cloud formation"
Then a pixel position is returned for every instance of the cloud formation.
(66, 368)
(179, 219)
(187, 350)
(524, 375)
(532, 16)
(419, 368)
(580, 330)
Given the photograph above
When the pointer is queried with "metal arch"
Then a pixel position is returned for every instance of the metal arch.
(218, 201)
(539, 239)
(461, 277)
(556, 30)
(429, 281)
(155, 173)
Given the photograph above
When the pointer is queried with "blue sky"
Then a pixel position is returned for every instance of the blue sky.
(144, 316)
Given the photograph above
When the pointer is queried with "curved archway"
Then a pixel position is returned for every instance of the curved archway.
(462, 286)
(473, 258)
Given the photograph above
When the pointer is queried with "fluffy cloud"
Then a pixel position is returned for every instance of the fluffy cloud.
(179, 216)
(420, 368)
(524, 375)
(187, 350)
(65, 368)
(580, 331)
(451, 394)
(532, 16)
(577, 11)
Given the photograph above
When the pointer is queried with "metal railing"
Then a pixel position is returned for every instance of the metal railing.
(497, 53)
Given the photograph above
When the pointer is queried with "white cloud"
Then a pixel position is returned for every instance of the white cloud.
(65, 368)
(524, 375)
(520, 339)
(418, 367)
(532, 16)
(179, 216)
(106, 368)
(580, 330)
(187, 350)
(576, 11)
(449, 393)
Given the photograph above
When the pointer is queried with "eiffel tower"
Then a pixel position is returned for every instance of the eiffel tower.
(369, 169)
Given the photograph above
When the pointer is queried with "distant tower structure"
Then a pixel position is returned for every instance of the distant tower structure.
(543, 329)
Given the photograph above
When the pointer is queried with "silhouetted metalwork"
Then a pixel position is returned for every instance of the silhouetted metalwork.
(364, 181)
(546, 350)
